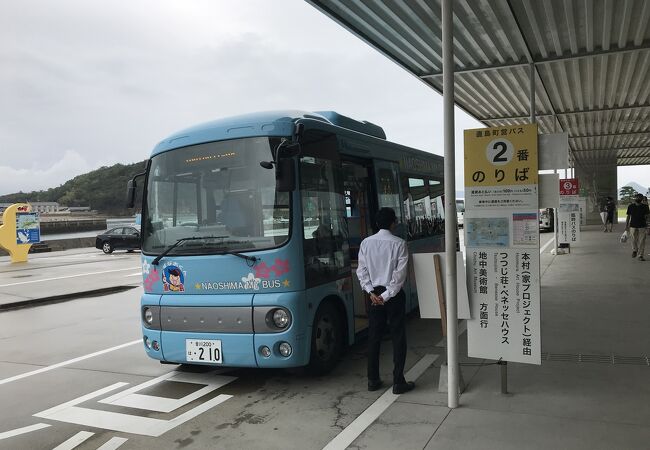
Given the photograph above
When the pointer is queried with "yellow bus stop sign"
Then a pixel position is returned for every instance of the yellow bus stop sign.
(19, 230)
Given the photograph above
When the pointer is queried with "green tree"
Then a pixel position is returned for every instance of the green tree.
(102, 189)
(627, 194)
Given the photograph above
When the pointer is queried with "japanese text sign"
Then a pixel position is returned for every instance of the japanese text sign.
(569, 186)
(502, 239)
(501, 156)
(504, 287)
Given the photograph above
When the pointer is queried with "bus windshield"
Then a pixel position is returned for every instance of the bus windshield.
(218, 195)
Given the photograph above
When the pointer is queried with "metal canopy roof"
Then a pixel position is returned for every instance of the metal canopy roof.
(591, 60)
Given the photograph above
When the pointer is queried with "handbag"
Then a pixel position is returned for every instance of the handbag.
(624, 237)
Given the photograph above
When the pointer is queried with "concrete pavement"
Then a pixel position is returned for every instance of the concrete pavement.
(591, 391)
(66, 274)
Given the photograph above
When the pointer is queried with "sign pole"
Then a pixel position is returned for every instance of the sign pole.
(451, 225)
(504, 376)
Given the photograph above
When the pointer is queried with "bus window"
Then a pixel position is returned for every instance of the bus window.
(324, 228)
(357, 205)
(423, 207)
(460, 211)
(215, 189)
(388, 192)
(187, 213)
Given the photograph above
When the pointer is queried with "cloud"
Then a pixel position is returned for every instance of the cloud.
(112, 81)
(27, 179)
(636, 174)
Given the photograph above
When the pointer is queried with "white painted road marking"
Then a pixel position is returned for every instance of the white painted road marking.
(75, 440)
(131, 399)
(68, 362)
(128, 423)
(541, 250)
(68, 276)
(23, 430)
(137, 274)
(125, 423)
(359, 425)
(113, 443)
(48, 412)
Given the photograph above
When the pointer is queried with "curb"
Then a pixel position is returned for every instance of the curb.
(64, 297)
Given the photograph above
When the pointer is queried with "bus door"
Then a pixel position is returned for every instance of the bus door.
(389, 194)
(324, 228)
(359, 213)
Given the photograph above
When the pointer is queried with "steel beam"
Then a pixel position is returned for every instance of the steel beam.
(543, 61)
(641, 147)
(581, 136)
(569, 113)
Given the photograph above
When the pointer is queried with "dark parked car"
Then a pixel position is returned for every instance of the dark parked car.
(118, 238)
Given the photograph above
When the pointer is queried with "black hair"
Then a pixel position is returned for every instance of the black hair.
(385, 218)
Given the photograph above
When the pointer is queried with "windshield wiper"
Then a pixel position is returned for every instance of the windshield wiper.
(252, 259)
(180, 241)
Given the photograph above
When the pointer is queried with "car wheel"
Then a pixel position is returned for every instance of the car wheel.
(107, 247)
(326, 339)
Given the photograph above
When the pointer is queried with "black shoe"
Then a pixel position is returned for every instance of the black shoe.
(403, 387)
(375, 385)
(633, 254)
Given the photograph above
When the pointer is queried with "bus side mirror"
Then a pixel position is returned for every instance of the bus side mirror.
(130, 193)
(131, 186)
(285, 175)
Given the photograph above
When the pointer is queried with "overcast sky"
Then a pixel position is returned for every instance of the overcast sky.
(84, 84)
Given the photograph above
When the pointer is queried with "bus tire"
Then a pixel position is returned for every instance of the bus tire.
(327, 338)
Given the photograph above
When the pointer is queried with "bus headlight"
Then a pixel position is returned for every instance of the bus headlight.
(281, 318)
(147, 315)
(285, 349)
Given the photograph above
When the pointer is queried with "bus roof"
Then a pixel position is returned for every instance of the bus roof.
(358, 138)
(269, 123)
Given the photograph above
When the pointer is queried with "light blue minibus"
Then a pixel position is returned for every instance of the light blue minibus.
(251, 227)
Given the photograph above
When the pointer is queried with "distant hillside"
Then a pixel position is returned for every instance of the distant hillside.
(637, 187)
(102, 189)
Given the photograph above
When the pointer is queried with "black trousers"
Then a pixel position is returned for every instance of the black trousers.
(391, 313)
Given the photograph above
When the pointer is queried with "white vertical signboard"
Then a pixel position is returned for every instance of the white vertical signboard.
(569, 212)
(502, 240)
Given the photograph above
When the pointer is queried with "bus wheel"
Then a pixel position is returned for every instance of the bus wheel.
(326, 339)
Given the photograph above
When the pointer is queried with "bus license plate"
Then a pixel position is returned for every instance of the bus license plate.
(203, 350)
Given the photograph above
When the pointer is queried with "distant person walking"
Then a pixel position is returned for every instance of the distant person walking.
(383, 265)
(610, 208)
(637, 213)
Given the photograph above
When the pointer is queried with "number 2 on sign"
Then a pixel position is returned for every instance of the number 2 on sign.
(500, 152)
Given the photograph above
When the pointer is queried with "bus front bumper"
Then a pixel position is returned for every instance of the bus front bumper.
(242, 345)
(238, 350)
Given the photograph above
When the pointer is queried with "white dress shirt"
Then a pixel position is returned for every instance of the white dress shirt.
(383, 261)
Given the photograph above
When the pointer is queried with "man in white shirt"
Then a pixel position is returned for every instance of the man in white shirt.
(383, 265)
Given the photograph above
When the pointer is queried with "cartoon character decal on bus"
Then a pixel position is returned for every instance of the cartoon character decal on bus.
(173, 279)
